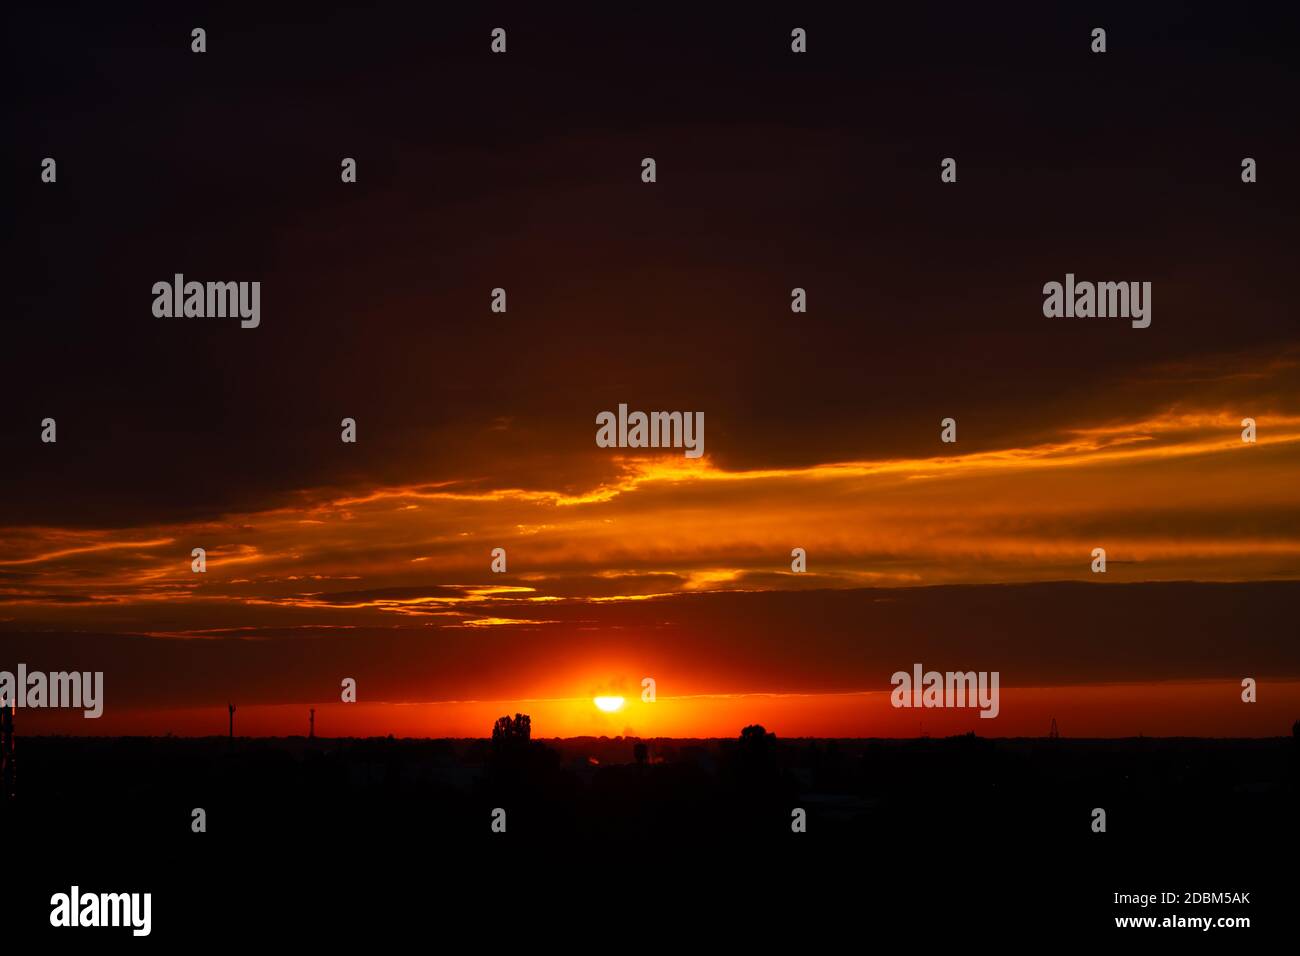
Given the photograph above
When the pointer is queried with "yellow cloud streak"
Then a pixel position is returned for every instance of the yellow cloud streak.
(701, 527)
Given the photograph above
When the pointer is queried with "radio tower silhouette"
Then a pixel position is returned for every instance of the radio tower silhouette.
(232, 720)
(311, 725)
(8, 768)
(1054, 733)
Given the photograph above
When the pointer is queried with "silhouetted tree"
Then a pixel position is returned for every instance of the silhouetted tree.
(754, 783)
(509, 734)
(522, 772)
(514, 750)
(755, 754)
(639, 753)
(756, 744)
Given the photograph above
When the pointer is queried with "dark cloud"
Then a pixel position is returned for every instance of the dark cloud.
(521, 171)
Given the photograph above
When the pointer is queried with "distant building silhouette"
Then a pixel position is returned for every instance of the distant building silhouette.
(1054, 733)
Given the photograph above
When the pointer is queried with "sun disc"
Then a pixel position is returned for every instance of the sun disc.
(609, 704)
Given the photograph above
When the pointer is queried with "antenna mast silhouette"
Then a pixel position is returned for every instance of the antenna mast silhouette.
(232, 720)
(1054, 733)
(7, 767)
(311, 732)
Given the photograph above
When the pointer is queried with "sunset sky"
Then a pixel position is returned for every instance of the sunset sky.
(476, 430)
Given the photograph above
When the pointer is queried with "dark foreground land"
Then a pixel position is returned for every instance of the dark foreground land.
(340, 838)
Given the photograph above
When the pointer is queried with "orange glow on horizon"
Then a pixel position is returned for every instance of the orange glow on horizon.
(1186, 708)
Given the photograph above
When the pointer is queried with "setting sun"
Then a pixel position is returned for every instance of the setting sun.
(609, 704)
